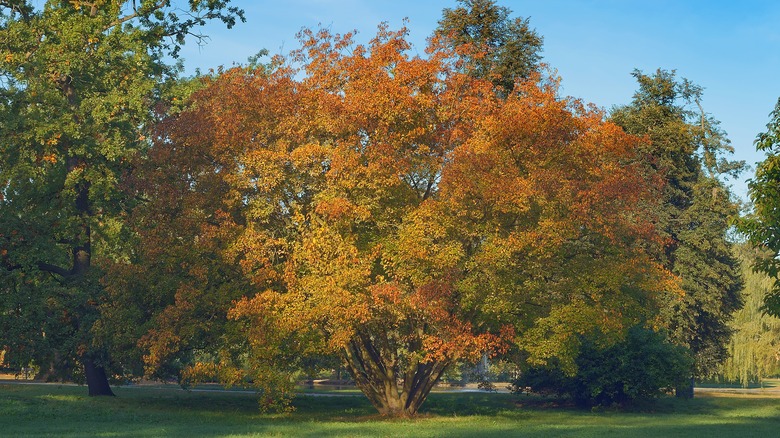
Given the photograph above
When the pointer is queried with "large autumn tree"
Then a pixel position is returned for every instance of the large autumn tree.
(397, 212)
(77, 82)
(689, 149)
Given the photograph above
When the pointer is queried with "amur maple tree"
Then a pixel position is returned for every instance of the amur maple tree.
(398, 212)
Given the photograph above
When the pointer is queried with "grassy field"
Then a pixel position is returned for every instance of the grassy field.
(66, 411)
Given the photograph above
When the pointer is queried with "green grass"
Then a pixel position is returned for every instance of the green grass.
(66, 411)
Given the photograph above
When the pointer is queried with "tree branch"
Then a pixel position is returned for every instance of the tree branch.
(54, 269)
(9, 267)
(23, 9)
(121, 20)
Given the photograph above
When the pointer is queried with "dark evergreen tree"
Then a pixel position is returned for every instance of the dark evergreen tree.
(490, 43)
(687, 146)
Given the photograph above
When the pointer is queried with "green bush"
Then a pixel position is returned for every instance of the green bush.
(642, 366)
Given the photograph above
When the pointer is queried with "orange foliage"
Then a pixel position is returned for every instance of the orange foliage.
(378, 201)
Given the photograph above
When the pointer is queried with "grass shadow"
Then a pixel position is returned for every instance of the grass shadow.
(68, 412)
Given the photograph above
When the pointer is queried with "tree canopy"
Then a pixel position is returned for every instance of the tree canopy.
(689, 150)
(395, 211)
(763, 225)
(754, 349)
(404, 214)
(77, 83)
(490, 44)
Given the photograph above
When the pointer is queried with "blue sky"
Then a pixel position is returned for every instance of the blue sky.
(731, 48)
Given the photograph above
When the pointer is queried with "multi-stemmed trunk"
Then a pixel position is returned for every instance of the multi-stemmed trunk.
(396, 387)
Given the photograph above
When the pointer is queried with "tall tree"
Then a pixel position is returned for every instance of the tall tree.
(687, 147)
(754, 349)
(78, 80)
(763, 225)
(490, 44)
(395, 211)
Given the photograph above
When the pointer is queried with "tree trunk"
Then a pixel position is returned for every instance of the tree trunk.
(685, 390)
(46, 374)
(97, 381)
(374, 367)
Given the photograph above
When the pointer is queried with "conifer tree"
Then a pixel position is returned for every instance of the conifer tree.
(491, 45)
(687, 147)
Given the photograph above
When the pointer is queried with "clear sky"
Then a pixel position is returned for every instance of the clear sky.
(731, 48)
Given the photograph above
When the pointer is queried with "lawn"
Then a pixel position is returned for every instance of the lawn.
(66, 411)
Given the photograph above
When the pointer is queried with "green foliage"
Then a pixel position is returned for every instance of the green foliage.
(642, 366)
(77, 84)
(689, 149)
(754, 349)
(763, 225)
(492, 45)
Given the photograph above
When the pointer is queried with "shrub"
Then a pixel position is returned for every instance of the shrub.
(642, 366)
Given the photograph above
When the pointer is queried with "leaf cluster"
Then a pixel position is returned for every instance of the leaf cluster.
(77, 84)
(489, 44)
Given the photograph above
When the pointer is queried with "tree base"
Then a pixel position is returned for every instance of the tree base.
(97, 381)
(685, 391)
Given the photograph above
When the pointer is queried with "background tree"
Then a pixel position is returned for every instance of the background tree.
(78, 81)
(393, 211)
(754, 349)
(763, 225)
(687, 147)
(491, 45)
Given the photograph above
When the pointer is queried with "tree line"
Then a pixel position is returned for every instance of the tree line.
(348, 203)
